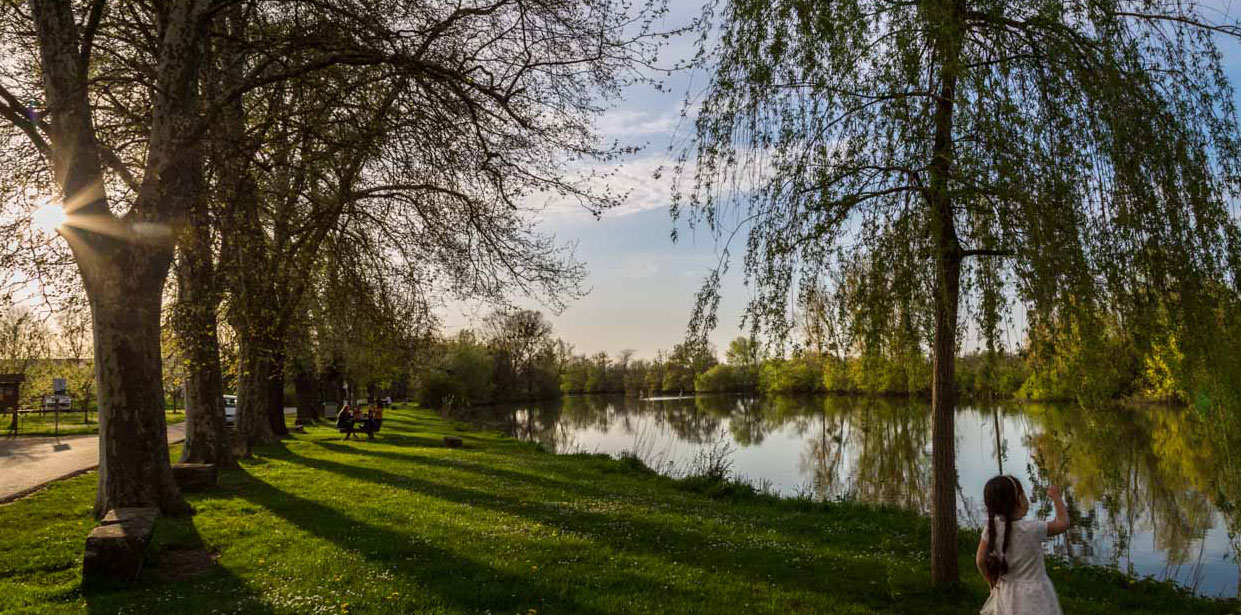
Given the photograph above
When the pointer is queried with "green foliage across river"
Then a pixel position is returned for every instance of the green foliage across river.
(473, 368)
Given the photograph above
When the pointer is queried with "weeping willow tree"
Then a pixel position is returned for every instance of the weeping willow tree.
(934, 163)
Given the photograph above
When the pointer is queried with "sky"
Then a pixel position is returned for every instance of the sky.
(641, 285)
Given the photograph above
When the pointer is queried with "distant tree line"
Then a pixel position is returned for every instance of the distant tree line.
(1106, 369)
(515, 356)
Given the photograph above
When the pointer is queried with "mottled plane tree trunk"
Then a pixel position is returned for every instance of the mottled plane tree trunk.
(124, 260)
(306, 386)
(196, 313)
(196, 323)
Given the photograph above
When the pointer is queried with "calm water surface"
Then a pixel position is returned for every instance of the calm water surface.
(1143, 486)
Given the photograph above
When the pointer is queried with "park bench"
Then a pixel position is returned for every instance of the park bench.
(357, 423)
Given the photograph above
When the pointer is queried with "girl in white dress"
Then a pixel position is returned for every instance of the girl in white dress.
(1010, 554)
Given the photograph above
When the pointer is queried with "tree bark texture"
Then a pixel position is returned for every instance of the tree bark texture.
(255, 306)
(253, 382)
(275, 393)
(306, 385)
(206, 432)
(124, 261)
(944, 569)
(948, 256)
(134, 469)
(196, 323)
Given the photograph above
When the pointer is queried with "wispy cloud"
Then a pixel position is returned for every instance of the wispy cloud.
(624, 124)
(638, 267)
(641, 184)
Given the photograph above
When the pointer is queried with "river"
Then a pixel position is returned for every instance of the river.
(1146, 490)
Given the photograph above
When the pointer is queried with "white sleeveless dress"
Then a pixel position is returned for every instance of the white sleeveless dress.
(1025, 588)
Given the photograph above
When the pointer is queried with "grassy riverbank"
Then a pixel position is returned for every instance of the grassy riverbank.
(402, 525)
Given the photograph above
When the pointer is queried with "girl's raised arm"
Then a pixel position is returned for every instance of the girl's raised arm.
(1061, 522)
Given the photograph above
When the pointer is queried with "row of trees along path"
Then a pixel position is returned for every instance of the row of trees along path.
(1076, 157)
(279, 152)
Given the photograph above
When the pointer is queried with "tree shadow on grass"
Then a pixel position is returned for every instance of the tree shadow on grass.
(588, 486)
(460, 582)
(687, 545)
(459, 464)
(572, 490)
(195, 584)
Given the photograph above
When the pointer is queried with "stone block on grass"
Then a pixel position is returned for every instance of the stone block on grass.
(114, 551)
(130, 515)
(192, 477)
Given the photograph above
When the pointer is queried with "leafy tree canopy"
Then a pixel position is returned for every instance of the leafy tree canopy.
(1091, 158)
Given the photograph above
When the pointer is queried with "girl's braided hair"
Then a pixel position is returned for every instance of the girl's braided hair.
(1002, 495)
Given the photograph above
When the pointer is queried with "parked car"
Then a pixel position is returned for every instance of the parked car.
(230, 409)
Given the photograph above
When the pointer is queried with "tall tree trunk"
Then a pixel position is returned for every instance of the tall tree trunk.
(306, 384)
(244, 260)
(943, 410)
(125, 294)
(948, 256)
(197, 328)
(275, 394)
(254, 316)
(206, 433)
(301, 364)
(124, 269)
(253, 381)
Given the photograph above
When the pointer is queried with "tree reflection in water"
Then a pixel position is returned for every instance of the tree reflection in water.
(1148, 470)
(1141, 479)
(886, 445)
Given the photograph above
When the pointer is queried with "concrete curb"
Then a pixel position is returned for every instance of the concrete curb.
(12, 497)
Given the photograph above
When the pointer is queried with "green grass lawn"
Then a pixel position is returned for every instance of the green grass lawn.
(71, 423)
(403, 525)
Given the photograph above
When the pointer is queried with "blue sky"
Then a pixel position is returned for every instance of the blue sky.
(641, 285)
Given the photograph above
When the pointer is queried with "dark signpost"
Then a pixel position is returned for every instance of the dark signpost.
(10, 393)
(59, 401)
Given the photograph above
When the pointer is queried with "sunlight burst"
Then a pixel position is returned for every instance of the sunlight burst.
(49, 217)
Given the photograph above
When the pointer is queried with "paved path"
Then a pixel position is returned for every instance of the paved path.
(29, 463)
(26, 464)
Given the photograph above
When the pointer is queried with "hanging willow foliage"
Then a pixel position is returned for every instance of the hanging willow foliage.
(1077, 156)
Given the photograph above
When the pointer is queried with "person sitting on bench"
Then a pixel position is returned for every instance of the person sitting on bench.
(344, 421)
(377, 417)
(364, 423)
